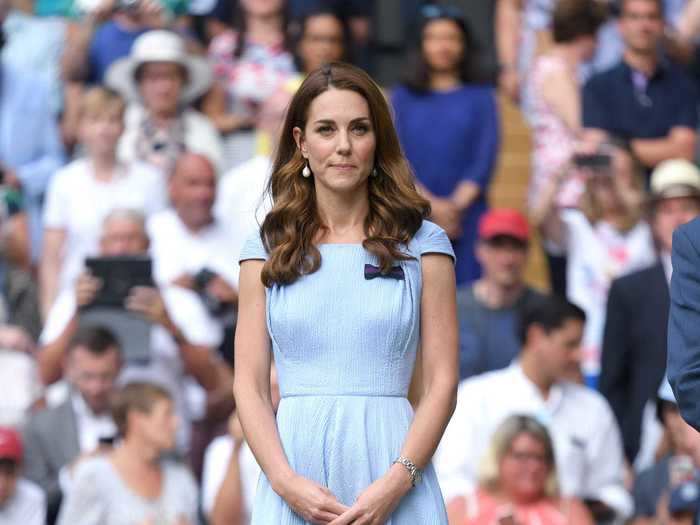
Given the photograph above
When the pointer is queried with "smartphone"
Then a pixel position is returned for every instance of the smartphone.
(595, 161)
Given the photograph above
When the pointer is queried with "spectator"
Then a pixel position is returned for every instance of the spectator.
(27, 159)
(59, 438)
(587, 445)
(72, 229)
(191, 248)
(488, 309)
(634, 343)
(323, 38)
(644, 103)
(604, 239)
(518, 479)
(181, 337)
(19, 376)
(160, 81)
(20, 501)
(249, 62)
(454, 162)
(133, 484)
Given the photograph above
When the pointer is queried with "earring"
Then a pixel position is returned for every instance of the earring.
(374, 172)
(306, 172)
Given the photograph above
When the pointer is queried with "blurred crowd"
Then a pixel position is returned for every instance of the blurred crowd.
(136, 140)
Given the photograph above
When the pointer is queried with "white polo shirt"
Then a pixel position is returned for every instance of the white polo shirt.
(26, 506)
(587, 443)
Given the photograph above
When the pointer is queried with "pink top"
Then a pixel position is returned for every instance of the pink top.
(553, 140)
(484, 509)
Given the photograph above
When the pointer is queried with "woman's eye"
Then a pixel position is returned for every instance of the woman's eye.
(324, 130)
(361, 129)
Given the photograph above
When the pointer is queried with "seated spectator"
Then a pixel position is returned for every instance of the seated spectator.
(518, 480)
(644, 103)
(72, 228)
(656, 489)
(59, 438)
(455, 161)
(250, 60)
(587, 445)
(634, 343)
(133, 483)
(231, 472)
(20, 500)
(191, 248)
(161, 81)
(27, 159)
(323, 38)
(488, 310)
(181, 336)
(19, 375)
(604, 239)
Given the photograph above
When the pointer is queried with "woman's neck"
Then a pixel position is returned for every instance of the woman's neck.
(444, 80)
(104, 166)
(342, 215)
(265, 30)
(569, 53)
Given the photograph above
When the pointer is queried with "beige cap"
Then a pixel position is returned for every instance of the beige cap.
(675, 178)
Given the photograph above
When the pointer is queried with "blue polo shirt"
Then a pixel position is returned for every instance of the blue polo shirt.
(627, 104)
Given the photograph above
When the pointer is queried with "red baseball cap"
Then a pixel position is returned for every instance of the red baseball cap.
(10, 444)
(506, 222)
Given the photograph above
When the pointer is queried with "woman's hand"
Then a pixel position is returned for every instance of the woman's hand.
(447, 215)
(313, 502)
(376, 504)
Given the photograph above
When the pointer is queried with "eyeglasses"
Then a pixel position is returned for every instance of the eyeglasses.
(434, 11)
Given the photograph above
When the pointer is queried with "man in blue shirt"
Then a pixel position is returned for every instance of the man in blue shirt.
(644, 103)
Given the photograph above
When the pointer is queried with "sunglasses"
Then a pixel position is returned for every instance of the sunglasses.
(434, 12)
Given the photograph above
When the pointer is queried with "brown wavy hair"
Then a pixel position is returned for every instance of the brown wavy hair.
(396, 209)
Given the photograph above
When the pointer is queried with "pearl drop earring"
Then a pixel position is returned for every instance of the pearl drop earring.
(306, 172)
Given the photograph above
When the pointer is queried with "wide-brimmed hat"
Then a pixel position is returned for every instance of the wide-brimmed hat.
(675, 178)
(159, 46)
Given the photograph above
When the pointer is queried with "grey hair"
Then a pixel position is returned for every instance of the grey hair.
(501, 443)
(125, 214)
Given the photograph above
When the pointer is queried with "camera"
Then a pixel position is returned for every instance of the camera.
(213, 305)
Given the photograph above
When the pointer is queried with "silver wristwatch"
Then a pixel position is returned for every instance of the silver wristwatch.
(416, 474)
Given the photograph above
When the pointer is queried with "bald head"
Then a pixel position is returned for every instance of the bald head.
(193, 190)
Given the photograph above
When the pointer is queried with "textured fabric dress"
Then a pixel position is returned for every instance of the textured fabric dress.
(345, 347)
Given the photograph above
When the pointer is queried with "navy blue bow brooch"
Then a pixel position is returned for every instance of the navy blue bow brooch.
(372, 271)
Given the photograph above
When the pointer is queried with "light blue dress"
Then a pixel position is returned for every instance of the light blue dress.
(345, 348)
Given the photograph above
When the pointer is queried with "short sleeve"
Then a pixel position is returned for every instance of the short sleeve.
(57, 206)
(430, 238)
(253, 249)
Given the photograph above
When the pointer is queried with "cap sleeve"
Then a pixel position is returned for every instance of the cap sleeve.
(253, 249)
(430, 238)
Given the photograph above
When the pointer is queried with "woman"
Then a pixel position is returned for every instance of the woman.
(249, 63)
(83, 193)
(132, 485)
(555, 95)
(346, 279)
(449, 130)
(518, 482)
(324, 37)
(604, 239)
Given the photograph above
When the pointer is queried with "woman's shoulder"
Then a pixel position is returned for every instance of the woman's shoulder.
(431, 238)
(95, 471)
(71, 172)
(253, 248)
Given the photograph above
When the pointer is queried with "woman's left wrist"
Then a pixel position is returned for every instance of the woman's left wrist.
(400, 478)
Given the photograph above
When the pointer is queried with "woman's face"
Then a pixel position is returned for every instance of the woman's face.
(524, 469)
(100, 132)
(604, 192)
(161, 85)
(159, 425)
(262, 8)
(443, 45)
(338, 141)
(322, 42)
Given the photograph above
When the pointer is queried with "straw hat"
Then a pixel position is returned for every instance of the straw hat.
(159, 46)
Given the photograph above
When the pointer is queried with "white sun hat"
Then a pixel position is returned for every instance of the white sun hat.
(159, 46)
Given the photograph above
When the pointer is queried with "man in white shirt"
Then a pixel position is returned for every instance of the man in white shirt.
(58, 438)
(20, 500)
(586, 438)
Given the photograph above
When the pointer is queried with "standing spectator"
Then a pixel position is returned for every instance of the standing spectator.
(644, 103)
(161, 81)
(72, 228)
(27, 159)
(249, 62)
(634, 344)
(59, 438)
(604, 239)
(20, 501)
(455, 161)
(518, 480)
(133, 483)
(587, 445)
(323, 38)
(488, 310)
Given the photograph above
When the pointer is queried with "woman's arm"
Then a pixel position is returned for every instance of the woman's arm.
(440, 364)
(214, 107)
(251, 389)
(50, 268)
(545, 216)
(563, 94)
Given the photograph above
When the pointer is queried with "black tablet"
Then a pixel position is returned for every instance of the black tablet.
(119, 275)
